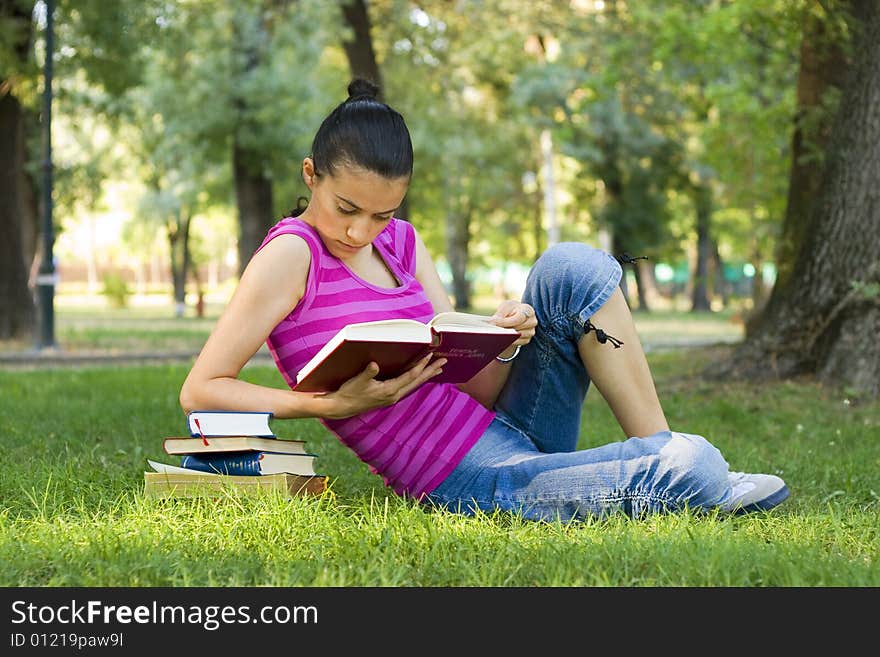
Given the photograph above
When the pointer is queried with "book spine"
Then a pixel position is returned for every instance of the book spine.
(237, 464)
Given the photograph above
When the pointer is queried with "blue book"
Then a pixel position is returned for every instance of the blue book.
(250, 463)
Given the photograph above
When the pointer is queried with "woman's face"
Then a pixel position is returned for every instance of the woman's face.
(351, 207)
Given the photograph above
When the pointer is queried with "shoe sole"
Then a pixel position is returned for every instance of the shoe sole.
(772, 500)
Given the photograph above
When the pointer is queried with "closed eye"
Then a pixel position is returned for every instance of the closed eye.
(378, 217)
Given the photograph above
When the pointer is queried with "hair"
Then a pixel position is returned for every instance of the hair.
(364, 133)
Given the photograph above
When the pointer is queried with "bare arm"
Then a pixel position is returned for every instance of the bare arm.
(259, 303)
(487, 384)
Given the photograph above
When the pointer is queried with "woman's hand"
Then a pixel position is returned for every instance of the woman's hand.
(364, 392)
(519, 316)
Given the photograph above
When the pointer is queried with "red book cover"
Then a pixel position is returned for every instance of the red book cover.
(468, 343)
(467, 353)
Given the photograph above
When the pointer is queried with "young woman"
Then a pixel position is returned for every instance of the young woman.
(506, 439)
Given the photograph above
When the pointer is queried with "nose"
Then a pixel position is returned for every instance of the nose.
(357, 232)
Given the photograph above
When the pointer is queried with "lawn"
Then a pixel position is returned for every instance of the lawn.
(88, 326)
(75, 442)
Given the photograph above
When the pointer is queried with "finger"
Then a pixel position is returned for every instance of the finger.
(429, 369)
(426, 375)
(417, 369)
(423, 371)
(505, 309)
(506, 314)
(514, 320)
(411, 374)
(512, 314)
(369, 372)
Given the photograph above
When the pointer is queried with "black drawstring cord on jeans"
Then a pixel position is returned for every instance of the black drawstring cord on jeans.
(626, 259)
(601, 335)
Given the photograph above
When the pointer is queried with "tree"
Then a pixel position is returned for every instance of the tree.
(731, 69)
(824, 319)
(359, 47)
(276, 51)
(17, 310)
(614, 121)
(822, 63)
(470, 151)
(253, 184)
(362, 57)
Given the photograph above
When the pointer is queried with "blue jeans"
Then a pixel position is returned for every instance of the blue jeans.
(527, 460)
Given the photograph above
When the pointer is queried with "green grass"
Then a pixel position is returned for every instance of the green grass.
(75, 442)
(96, 328)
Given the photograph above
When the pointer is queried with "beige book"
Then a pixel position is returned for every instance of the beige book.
(196, 484)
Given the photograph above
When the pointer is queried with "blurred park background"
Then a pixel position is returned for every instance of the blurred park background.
(732, 148)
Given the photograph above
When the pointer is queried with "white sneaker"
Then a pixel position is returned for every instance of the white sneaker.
(754, 492)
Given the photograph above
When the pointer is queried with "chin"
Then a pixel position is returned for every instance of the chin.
(341, 255)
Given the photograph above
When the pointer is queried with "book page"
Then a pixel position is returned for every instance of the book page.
(466, 322)
(394, 330)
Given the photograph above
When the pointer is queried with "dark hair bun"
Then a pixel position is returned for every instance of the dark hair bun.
(360, 88)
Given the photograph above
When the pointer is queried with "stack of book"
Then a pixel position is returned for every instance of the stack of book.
(233, 449)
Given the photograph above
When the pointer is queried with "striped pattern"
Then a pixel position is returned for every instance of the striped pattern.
(416, 443)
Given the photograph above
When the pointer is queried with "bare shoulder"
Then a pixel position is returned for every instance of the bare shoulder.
(286, 255)
(277, 273)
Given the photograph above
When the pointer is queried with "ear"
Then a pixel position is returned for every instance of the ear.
(308, 172)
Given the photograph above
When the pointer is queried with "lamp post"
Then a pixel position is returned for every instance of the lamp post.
(46, 277)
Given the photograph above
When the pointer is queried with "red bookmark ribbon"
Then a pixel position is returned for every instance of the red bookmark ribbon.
(199, 427)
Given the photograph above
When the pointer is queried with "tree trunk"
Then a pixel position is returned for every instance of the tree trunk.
(253, 187)
(538, 233)
(617, 247)
(362, 59)
(549, 186)
(826, 318)
(700, 292)
(17, 310)
(18, 314)
(719, 285)
(359, 49)
(29, 188)
(178, 241)
(822, 66)
(647, 284)
(759, 288)
(457, 238)
(253, 195)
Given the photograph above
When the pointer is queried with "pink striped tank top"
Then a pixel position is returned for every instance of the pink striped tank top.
(414, 444)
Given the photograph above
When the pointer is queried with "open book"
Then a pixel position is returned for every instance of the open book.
(468, 342)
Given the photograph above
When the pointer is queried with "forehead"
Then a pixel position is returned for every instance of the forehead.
(366, 189)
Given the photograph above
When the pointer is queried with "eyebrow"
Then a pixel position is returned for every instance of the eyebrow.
(355, 205)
